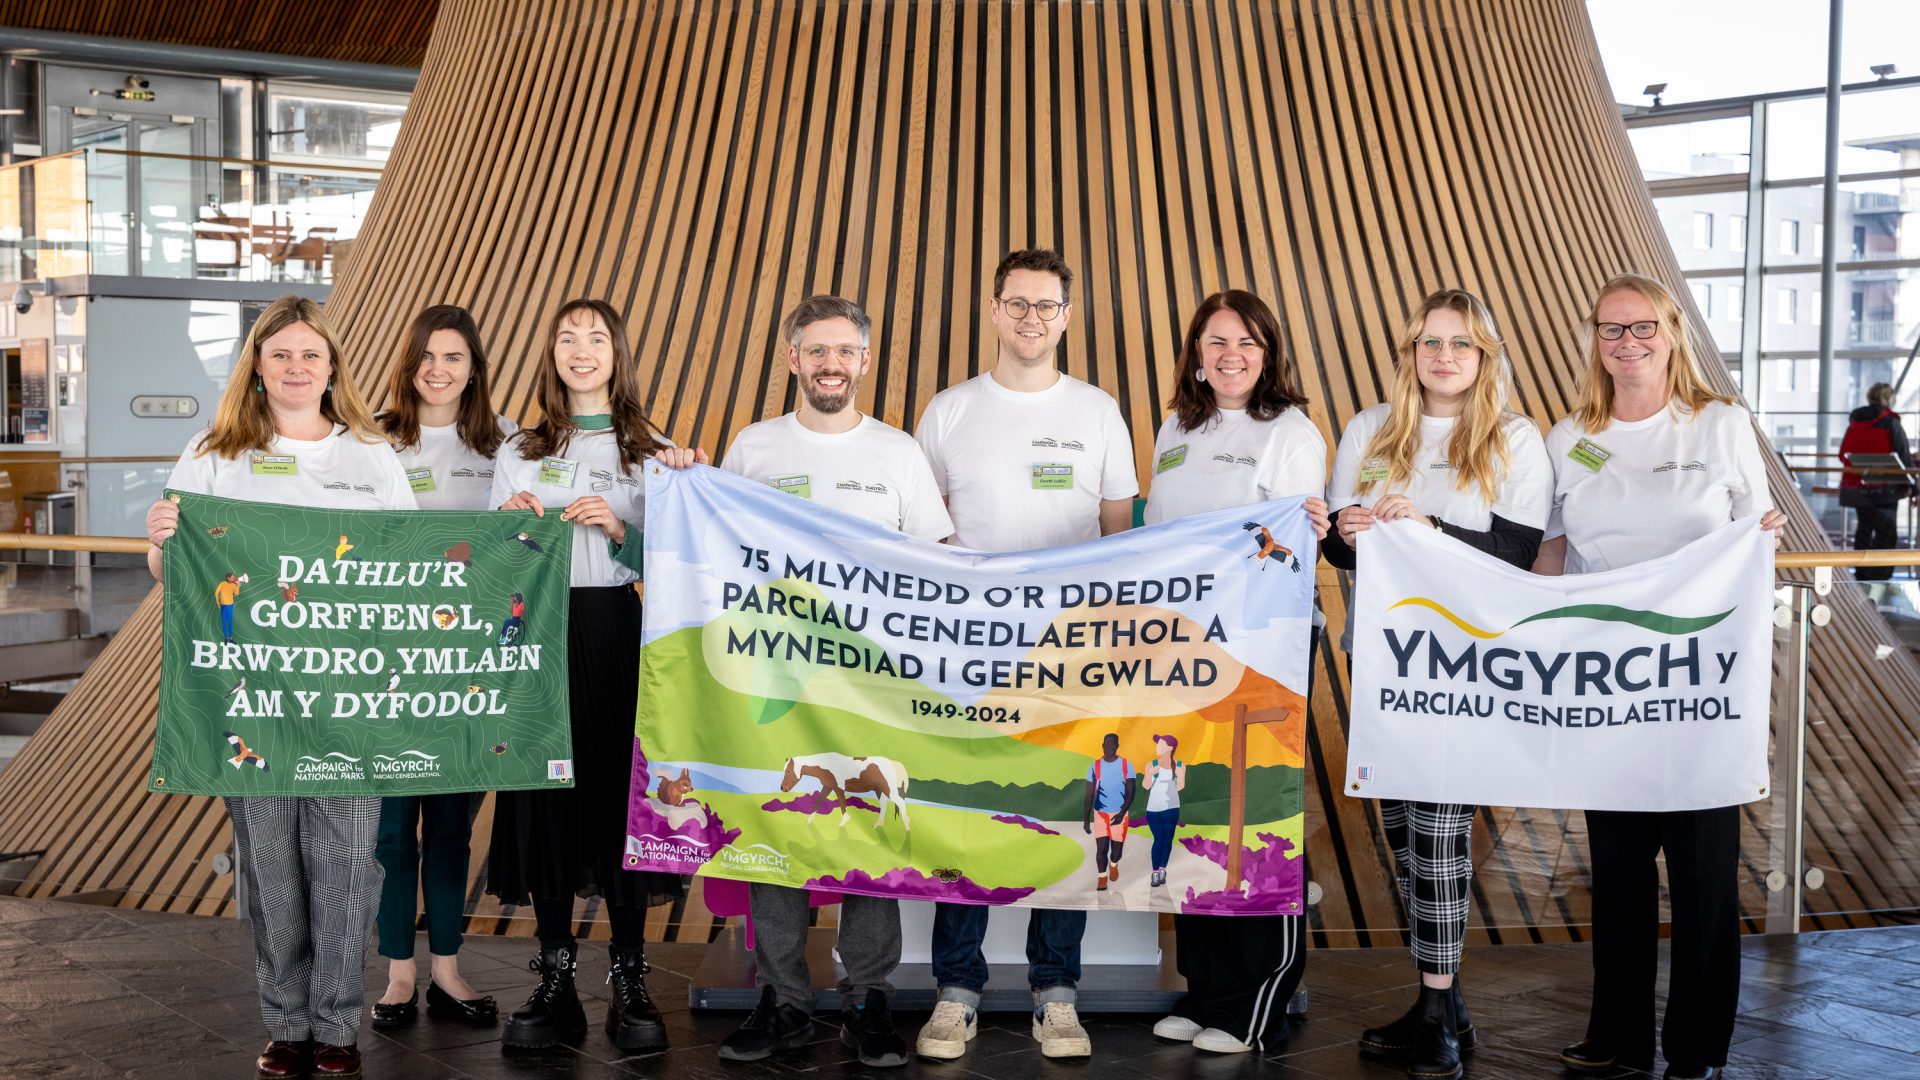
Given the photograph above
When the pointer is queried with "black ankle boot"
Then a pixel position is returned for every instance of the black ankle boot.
(1395, 1040)
(552, 1014)
(1436, 1039)
(633, 1022)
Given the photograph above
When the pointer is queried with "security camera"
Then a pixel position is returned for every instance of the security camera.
(23, 299)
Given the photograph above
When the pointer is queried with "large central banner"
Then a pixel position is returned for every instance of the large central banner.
(307, 651)
(1641, 688)
(827, 703)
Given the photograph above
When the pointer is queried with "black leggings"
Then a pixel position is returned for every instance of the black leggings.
(553, 921)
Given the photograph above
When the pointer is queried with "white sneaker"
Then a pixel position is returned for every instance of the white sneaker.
(1059, 1033)
(948, 1031)
(1219, 1042)
(1177, 1028)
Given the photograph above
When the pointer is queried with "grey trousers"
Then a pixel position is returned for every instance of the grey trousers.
(312, 885)
(869, 944)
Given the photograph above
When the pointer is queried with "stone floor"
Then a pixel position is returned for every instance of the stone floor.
(97, 992)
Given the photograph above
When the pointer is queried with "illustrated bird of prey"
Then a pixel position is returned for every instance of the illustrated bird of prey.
(1266, 547)
(532, 544)
(393, 682)
(237, 687)
(242, 755)
(499, 747)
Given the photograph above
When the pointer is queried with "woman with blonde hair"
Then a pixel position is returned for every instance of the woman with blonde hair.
(1445, 451)
(292, 428)
(1651, 460)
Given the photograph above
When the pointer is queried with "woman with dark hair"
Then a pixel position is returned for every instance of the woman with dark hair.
(440, 419)
(1239, 434)
(307, 863)
(585, 456)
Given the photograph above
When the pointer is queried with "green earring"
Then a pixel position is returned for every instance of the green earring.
(259, 387)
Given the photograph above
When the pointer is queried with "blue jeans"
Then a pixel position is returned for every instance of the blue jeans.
(1163, 822)
(1053, 948)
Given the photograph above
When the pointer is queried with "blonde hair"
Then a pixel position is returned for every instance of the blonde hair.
(1687, 392)
(1478, 446)
(243, 423)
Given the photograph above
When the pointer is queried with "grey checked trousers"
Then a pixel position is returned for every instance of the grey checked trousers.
(869, 944)
(312, 885)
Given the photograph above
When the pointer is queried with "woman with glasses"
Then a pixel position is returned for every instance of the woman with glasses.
(1239, 434)
(1619, 499)
(1445, 452)
(442, 423)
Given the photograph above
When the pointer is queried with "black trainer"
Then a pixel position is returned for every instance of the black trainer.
(869, 1032)
(771, 1026)
(552, 1015)
(633, 1021)
(1395, 1040)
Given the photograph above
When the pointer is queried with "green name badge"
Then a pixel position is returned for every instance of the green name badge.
(1373, 472)
(1172, 459)
(1052, 477)
(558, 471)
(1589, 453)
(800, 484)
(421, 481)
(275, 465)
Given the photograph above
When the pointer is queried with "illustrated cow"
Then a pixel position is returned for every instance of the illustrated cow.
(883, 778)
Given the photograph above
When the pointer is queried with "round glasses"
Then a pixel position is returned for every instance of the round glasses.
(1611, 331)
(819, 353)
(1046, 309)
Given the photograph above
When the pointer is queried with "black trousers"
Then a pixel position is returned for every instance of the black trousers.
(1241, 972)
(1703, 853)
(1876, 528)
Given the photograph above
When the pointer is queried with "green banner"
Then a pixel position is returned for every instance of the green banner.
(308, 651)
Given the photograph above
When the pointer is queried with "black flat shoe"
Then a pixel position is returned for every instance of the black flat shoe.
(1596, 1057)
(444, 1006)
(397, 1015)
(1698, 1072)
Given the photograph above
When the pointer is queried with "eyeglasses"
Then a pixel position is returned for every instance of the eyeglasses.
(846, 353)
(1046, 309)
(1611, 331)
(1431, 346)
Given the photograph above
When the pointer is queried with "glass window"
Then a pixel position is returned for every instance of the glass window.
(1814, 308)
(1702, 148)
(1735, 303)
(1737, 233)
(1788, 301)
(1689, 221)
(1703, 298)
(1789, 237)
(329, 125)
(1702, 229)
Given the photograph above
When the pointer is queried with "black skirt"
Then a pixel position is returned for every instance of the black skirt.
(551, 843)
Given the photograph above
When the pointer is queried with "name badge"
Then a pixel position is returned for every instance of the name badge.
(558, 471)
(800, 484)
(1589, 453)
(275, 465)
(421, 481)
(1374, 472)
(1052, 476)
(1172, 459)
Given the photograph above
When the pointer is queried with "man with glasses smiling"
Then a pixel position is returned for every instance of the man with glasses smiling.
(1028, 457)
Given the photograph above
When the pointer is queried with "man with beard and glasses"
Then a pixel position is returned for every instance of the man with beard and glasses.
(826, 451)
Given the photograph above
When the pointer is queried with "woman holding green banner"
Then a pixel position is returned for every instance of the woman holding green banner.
(1619, 499)
(585, 457)
(442, 423)
(1442, 450)
(1236, 398)
(291, 428)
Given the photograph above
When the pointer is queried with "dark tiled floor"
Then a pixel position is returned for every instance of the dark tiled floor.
(93, 992)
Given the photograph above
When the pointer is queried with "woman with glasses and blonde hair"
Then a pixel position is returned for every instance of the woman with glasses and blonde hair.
(291, 428)
(1651, 460)
(1443, 451)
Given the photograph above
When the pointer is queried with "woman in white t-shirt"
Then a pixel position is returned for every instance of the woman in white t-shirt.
(1443, 451)
(440, 418)
(1239, 434)
(307, 862)
(586, 458)
(1651, 460)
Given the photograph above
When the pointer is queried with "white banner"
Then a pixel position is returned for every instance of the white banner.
(1642, 688)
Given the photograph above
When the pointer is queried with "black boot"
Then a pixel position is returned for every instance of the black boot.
(1395, 1040)
(1436, 1039)
(633, 1022)
(553, 1014)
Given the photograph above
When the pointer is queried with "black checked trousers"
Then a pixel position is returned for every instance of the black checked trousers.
(1432, 857)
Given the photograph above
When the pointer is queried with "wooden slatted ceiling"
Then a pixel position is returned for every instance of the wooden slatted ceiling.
(364, 31)
(704, 167)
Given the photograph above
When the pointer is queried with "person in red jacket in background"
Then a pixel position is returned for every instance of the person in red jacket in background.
(1874, 428)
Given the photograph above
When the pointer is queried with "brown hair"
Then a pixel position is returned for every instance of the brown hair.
(1685, 389)
(1276, 390)
(1880, 394)
(634, 433)
(479, 428)
(1045, 260)
(243, 423)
